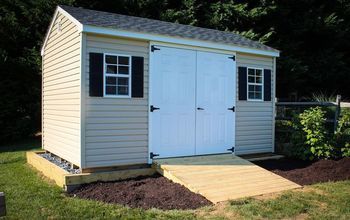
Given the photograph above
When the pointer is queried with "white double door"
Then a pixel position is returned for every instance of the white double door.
(194, 92)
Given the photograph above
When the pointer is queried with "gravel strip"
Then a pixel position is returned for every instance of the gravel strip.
(61, 163)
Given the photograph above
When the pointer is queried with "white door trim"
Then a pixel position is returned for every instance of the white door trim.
(150, 71)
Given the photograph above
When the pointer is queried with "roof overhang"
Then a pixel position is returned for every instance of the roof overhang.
(156, 37)
(175, 40)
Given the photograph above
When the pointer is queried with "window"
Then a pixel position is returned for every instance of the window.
(117, 79)
(255, 84)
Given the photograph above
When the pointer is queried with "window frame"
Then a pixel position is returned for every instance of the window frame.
(105, 75)
(256, 84)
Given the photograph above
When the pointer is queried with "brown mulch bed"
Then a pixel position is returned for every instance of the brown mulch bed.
(306, 173)
(143, 192)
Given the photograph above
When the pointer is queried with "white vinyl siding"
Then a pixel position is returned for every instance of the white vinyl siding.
(116, 129)
(61, 91)
(254, 120)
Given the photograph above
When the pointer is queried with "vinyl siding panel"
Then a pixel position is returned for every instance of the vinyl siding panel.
(61, 91)
(254, 119)
(116, 129)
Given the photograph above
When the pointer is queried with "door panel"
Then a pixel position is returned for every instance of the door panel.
(173, 91)
(215, 93)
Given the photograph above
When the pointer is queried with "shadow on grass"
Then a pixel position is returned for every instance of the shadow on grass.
(26, 144)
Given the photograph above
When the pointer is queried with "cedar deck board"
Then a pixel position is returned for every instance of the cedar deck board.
(222, 177)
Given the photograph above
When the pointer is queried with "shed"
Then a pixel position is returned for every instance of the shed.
(120, 90)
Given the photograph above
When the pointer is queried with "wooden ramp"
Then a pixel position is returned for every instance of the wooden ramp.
(222, 177)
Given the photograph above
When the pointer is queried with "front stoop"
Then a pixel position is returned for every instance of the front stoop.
(222, 177)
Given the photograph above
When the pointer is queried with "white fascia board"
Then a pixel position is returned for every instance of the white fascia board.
(175, 40)
(67, 15)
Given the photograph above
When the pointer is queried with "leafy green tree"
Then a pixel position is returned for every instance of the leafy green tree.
(23, 25)
(312, 35)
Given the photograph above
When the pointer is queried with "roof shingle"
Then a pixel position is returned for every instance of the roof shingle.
(151, 26)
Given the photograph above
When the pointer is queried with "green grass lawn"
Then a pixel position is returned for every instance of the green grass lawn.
(30, 196)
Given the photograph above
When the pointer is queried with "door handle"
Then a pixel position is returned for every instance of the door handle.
(200, 108)
(232, 109)
(152, 108)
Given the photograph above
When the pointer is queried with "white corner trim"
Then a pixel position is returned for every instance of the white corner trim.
(82, 100)
(66, 14)
(175, 40)
(274, 106)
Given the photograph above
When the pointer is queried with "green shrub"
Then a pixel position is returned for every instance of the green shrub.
(342, 135)
(313, 124)
(309, 139)
(298, 148)
(312, 140)
(323, 97)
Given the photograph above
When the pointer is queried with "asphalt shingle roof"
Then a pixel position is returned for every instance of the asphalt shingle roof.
(151, 26)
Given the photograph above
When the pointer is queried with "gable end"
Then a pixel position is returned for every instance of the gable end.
(58, 11)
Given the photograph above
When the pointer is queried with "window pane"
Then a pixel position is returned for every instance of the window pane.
(258, 79)
(124, 60)
(258, 95)
(251, 79)
(111, 80)
(111, 59)
(251, 95)
(258, 88)
(258, 72)
(111, 69)
(251, 72)
(123, 70)
(123, 81)
(111, 90)
(123, 90)
(251, 88)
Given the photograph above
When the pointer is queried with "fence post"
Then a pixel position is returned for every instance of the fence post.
(337, 112)
(2, 204)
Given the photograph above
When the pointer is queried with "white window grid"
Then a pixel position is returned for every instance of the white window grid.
(255, 83)
(116, 75)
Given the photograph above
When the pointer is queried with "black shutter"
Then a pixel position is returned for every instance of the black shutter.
(96, 75)
(242, 83)
(137, 77)
(267, 85)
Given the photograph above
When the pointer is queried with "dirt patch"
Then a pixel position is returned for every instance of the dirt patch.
(306, 173)
(143, 192)
(268, 196)
(219, 211)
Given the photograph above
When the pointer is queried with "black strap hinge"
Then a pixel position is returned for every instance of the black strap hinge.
(231, 149)
(233, 58)
(232, 109)
(153, 48)
(152, 108)
(152, 155)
